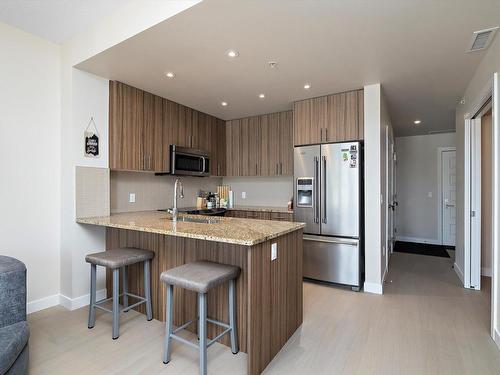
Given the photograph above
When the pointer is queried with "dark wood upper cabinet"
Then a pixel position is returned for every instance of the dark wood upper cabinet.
(332, 118)
(260, 145)
(142, 126)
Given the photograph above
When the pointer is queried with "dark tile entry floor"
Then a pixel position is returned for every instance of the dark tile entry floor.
(421, 249)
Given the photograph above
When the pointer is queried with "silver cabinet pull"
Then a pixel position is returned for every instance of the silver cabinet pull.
(321, 134)
(218, 169)
(281, 168)
(324, 189)
(277, 169)
(326, 134)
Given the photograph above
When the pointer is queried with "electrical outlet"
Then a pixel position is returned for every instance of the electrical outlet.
(243, 195)
(131, 198)
(274, 251)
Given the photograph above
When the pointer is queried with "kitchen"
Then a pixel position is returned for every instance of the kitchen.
(170, 176)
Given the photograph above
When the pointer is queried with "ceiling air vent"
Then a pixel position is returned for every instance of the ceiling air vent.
(481, 39)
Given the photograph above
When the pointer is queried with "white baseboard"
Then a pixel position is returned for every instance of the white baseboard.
(497, 339)
(42, 303)
(60, 299)
(78, 302)
(486, 271)
(459, 272)
(373, 288)
(431, 241)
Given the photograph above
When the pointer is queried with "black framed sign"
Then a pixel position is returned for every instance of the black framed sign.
(91, 137)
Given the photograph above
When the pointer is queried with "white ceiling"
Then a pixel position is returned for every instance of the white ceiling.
(415, 48)
(56, 20)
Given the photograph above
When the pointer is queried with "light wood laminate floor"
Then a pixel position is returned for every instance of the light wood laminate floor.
(425, 323)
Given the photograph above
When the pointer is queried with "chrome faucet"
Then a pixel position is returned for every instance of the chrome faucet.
(174, 210)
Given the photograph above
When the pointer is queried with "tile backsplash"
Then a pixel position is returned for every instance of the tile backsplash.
(154, 192)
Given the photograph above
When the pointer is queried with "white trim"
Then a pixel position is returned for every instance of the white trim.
(78, 302)
(60, 299)
(485, 271)
(373, 288)
(431, 241)
(466, 197)
(440, 151)
(42, 304)
(495, 205)
(458, 271)
(496, 338)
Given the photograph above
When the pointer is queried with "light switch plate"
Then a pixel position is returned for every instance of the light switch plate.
(274, 251)
(244, 195)
(131, 198)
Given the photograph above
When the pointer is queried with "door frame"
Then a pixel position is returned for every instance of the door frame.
(440, 151)
(491, 90)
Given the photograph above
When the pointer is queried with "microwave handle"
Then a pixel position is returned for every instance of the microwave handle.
(204, 164)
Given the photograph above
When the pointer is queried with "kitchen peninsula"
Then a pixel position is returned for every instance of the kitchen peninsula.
(269, 292)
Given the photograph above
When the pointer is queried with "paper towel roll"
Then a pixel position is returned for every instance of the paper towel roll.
(231, 199)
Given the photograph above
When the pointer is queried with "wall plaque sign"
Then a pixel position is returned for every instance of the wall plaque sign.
(91, 137)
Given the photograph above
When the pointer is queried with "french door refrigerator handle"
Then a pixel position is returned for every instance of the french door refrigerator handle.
(323, 178)
(316, 190)
(334, 240)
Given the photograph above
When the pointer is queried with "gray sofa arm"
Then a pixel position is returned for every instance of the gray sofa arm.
(12, 291)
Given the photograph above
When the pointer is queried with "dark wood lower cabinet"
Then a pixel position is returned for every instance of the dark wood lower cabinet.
(263, 215)
(269, 293)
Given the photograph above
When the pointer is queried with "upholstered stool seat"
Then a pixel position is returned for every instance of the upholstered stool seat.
(200, 277)
(116, 260)
(119, 257)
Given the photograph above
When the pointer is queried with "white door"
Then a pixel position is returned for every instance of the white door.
(448, 166)
(392, 196)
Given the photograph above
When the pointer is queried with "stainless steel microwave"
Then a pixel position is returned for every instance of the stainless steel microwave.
(189, 161)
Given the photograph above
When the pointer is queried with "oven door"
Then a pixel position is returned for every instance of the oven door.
(190, 162)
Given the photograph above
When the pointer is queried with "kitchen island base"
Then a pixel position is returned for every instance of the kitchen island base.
(268, 292)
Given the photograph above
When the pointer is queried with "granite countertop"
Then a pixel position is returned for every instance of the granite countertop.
(238, 231)
(261, 209)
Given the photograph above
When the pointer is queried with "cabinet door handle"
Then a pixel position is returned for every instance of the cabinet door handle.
(281, 168)
(326, 134)
(218, 169)
(256, 169)
(277, 168)
(321, 135)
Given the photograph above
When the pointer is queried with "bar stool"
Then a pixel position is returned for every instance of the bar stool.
(119, 259)
(200, 277)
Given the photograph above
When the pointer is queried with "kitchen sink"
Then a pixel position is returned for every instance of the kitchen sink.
(201, 211)
(198, 220)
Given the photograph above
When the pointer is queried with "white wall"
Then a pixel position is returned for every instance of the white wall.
(30, 108)
(417, 216)
(261, 191)
(475, 89)
(376, 120)
(85, 95)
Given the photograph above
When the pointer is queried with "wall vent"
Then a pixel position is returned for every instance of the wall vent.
(481, 39)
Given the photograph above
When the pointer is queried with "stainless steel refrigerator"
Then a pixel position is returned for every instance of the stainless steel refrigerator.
(328, 198)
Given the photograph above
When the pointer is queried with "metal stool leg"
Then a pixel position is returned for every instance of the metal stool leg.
(147, 289)
(202, 331)
(93, 270)
(116, 305)
(169, 318)
(232, 316)
(124, 287)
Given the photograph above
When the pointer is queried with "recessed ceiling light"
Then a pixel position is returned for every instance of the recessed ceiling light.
(262, 96)
(170, 74)
(224, 104)
(232, 53)
(307, 86)
(417, 122)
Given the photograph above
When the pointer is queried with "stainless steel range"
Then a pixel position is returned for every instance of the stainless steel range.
(328, 198)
